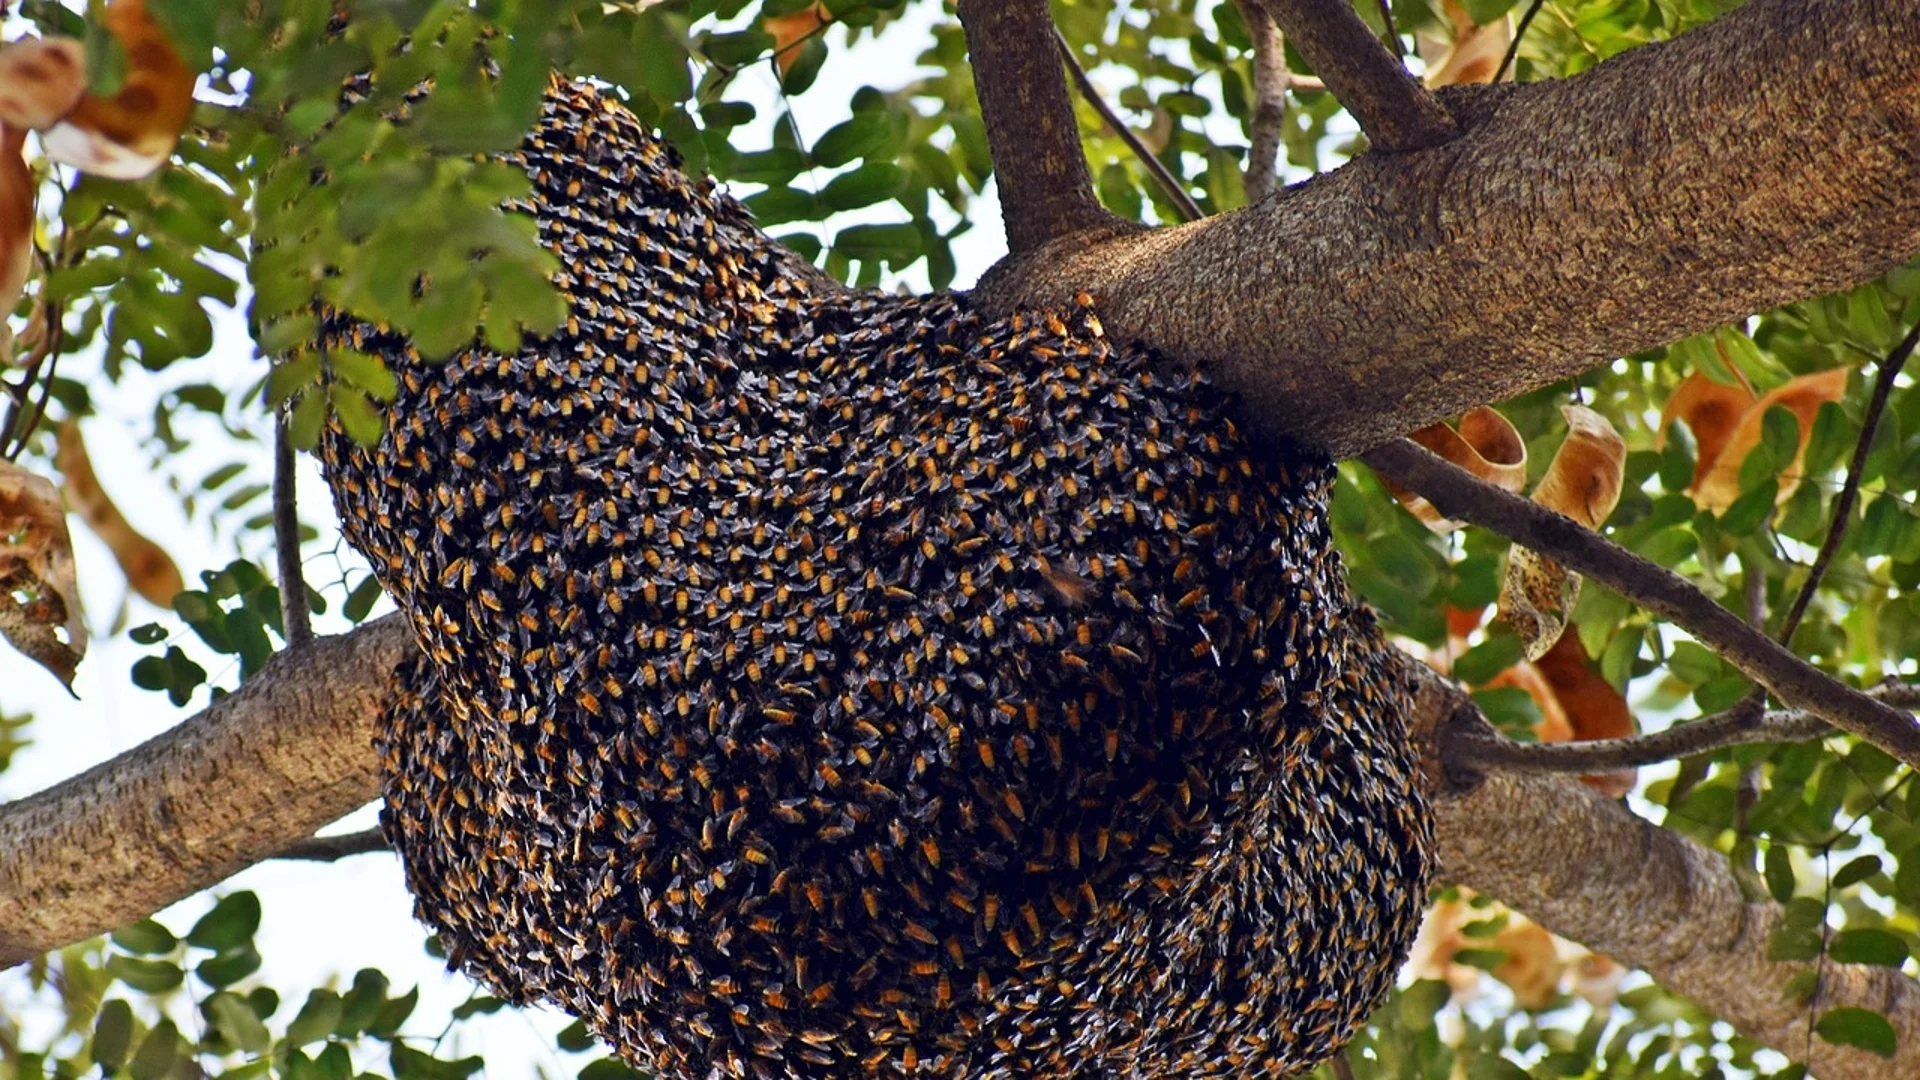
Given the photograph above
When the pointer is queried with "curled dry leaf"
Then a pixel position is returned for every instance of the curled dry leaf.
(1726, 425)
(1576, 703)
(1474, 53)
(789, 30)
(39, 598)
(16, 219)
(41, 81)
(1582, 482)
(1485, 445)
(149, 569)
(132, 133)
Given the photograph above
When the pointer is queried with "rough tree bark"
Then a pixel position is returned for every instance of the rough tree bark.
(284, 755)
(1768, 157)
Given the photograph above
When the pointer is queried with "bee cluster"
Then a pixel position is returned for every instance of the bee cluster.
(820, 683)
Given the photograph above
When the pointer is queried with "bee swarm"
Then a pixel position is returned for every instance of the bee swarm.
(821, 683)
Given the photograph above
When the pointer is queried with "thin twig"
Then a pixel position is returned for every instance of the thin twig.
(335, 848)
(1716, 732)
(1270, 81)
(1393, 32)
(1798, 684)
(1396, 110)
(1734, 727)
(1342, 1069)
(1168, 183)
(296, 620)
(1850, 491)
(1513, 47)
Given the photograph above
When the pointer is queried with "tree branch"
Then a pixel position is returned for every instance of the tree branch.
(335, 848)
(1589, 869)
(1270, 81)
(1395, 109)
(288, 752)
(1169, 184)
(1045, 189)
(1734, 727)
(1473, 750)
(296, 620)
(1771, 155)
(1458, 494)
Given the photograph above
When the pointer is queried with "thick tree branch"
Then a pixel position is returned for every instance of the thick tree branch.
(1045, 189)
(1589, 869)
(1771, 155)
(1395, 109)
(1458, 494)
(288, 752)
(1586, 868)
(1270, 81)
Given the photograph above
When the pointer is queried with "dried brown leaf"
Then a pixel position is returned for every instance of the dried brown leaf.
(41, 81)
(1717, 480)
(1582, 482)
(1485, 445)
(1592, 707)
(150, 570)
(132, 133)
(1474, 53)
(39, 597)
(17, 191)
(789, 30)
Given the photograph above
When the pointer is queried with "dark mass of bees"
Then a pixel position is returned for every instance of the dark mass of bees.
(818, 683)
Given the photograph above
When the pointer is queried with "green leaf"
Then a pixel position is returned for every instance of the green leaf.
(394, 1013)
(112, 1035)
(146, 976)
(896, 245)
(411, 1064)
(1877, 947)
(317, 1018)
(145, 936)
(478, 1005)
(157, 1054)
(1779, 873)
(1499, 652)
(574, 1038)
(292, 376)
(228, 968)
(233, 1018)
(870, 183)
(1858, 1027)
(232, 922)
(365, 371)
(850, 139)
(1856, 871)
(359, 416)
(362, 1003)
